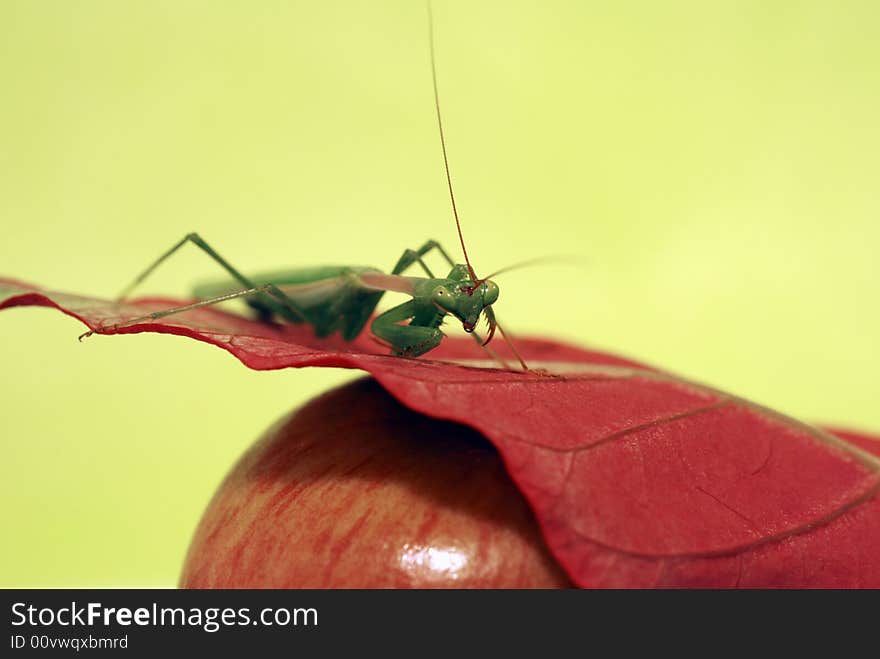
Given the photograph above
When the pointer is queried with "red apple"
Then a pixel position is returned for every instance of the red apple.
(355, 491)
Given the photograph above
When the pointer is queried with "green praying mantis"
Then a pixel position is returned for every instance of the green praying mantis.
(343, 298)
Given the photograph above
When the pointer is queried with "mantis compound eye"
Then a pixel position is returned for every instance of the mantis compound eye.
(490, 294)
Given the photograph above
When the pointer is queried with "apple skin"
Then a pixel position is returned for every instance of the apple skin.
(353, 490)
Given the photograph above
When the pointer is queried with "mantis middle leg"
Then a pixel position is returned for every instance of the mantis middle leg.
(411, 256)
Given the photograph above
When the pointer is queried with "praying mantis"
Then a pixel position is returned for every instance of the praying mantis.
(343, 298)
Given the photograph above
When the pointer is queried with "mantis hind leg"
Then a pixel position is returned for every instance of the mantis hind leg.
(268, 289)
(260, 293)
(411, 256)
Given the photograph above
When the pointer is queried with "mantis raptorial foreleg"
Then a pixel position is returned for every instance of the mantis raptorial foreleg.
(407, 340)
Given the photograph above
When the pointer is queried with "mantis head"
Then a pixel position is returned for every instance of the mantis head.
(467, 302)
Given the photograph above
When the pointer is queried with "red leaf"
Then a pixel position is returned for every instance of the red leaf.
(638, 478)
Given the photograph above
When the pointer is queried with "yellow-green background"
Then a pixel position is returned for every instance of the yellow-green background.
(715, 163)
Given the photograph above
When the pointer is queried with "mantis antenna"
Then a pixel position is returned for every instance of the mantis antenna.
(474, 279)
(443, 143)
(541, 260)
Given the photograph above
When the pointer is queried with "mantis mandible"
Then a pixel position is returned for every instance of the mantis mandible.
(343, 298)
